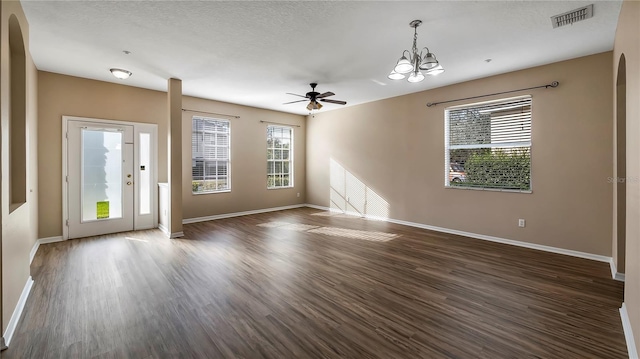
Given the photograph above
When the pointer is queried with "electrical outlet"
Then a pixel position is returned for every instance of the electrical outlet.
(521, 222)
(298, 194)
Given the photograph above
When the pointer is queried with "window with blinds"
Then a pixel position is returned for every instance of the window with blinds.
(488, 145)
(210, 155)
(279, 157)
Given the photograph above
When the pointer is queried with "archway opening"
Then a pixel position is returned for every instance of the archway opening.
(17, 116)
(621, 164)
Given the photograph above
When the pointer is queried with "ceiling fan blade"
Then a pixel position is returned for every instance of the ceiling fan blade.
(335, 101)
(286, 103)
(326, 94)
(295, 94)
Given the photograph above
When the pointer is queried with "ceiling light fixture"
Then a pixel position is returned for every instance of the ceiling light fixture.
(120, 73)
(416, 61)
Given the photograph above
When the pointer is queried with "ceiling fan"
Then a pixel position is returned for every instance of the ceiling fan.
(314, 97)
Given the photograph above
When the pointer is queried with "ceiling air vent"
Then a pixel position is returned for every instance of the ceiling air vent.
(568, 18)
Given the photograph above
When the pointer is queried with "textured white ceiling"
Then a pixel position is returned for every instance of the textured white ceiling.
(253, 52)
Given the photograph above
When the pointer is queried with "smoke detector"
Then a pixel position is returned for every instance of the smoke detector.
(568, 18)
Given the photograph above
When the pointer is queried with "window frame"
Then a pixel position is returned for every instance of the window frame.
(204, 165)
(523, 144)
(274, 160)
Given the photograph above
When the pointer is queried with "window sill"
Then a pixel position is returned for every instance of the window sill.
(270, 188)
(211, 192)
(14, 206)
(488, 189)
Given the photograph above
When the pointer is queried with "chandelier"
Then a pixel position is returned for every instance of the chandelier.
(415, 62)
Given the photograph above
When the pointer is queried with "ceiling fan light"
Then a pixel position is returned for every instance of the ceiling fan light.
(314, 105)
(435, 71)
(416, 76)
(403, 66)
(395, 75)
(121, 73)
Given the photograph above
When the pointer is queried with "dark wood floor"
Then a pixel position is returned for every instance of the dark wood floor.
(304, 284)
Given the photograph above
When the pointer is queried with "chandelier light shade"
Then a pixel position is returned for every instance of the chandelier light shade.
(415, 62)
(435, 71)
(396, 75)
(403, 66)
(416, 77)
(120, 73)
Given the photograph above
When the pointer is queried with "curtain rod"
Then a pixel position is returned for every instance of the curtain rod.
(553, 84)
(210, 113)
(278, 123)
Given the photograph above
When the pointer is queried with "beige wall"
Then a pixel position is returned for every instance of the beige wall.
(19, 228)
(627, 42)
(65, 95)
(174, 143)
(248, 161)
(61, 95)
(395, 148)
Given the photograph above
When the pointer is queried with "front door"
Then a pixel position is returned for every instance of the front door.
(100, 178)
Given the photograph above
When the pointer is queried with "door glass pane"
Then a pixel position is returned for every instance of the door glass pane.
(145, 171)
(101, 175)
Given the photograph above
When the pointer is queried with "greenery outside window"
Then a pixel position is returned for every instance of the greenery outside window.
(279, 157)
(210, 155)
(488, 145)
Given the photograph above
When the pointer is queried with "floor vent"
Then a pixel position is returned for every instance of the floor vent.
(568, 18)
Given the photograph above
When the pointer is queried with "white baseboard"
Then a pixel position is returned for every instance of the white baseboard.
(17, 312)
(40, 241)
(628, 332)
(34, 250)
(614, 272)
(171, 235)
(238, 214)
(51, 239)
(540, 247)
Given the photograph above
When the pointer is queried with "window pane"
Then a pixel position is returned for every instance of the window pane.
(279, 164)
(211, 155)
(145, 173)
(197, 169)
(489, 145)
(101, 174)
(222, 169)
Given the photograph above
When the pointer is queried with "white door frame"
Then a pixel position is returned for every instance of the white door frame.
(149, 128)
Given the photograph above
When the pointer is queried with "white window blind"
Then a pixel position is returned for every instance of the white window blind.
(488, 145)
(210, 155)
(279, 157)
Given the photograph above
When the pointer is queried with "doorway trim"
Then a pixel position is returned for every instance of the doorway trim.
(154, 158)
(620, 166)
